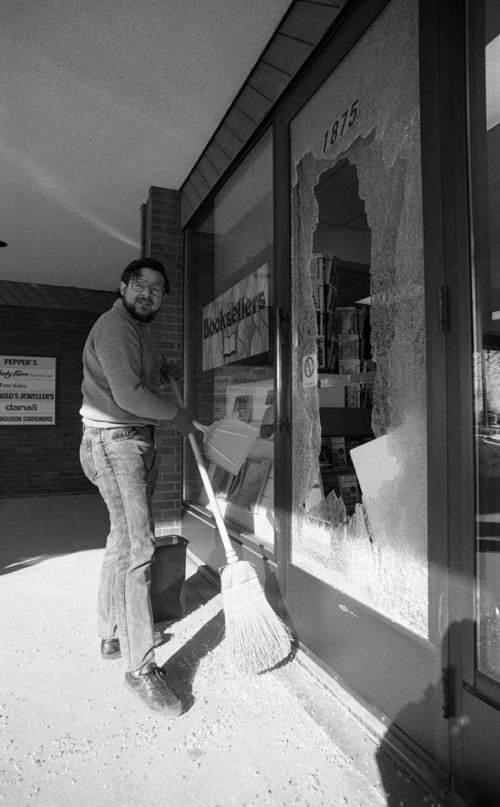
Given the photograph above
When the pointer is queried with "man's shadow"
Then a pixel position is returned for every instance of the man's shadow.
(181, 668)
(479, 767)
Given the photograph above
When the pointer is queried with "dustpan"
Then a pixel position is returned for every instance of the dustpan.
(228, 442)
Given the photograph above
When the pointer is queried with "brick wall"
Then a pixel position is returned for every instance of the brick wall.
(162, 239)
(44, 460)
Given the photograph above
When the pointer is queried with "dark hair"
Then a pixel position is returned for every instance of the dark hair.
(133, 269)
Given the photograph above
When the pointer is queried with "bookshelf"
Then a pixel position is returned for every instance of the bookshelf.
(342, 321)
(340, 291)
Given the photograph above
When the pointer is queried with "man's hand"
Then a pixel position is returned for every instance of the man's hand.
(183, 421)
(169, 369)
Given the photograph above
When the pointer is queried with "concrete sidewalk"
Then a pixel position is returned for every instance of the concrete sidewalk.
(72, 736)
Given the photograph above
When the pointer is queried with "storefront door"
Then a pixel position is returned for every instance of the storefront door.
(359, 583)
(230, 368)
(474, 341)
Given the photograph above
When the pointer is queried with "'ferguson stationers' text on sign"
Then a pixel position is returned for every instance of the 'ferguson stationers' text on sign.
(27, 391)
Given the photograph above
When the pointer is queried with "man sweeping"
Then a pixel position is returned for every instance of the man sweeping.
(121, 407)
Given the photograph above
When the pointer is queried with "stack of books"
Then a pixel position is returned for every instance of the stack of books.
(324, 281)
(337, 471)
(341, 330)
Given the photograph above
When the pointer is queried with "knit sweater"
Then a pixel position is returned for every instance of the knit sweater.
(119, 386)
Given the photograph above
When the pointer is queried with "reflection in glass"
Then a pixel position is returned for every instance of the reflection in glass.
(486, 183)
(230, 370)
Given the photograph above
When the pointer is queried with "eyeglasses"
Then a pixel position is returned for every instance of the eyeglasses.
(142, 285)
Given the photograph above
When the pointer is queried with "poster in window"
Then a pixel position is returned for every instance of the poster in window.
(249, 484)
(236, 324)
(221, 480)
(242, 408)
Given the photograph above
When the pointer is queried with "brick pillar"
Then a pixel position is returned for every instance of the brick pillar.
(162, 238)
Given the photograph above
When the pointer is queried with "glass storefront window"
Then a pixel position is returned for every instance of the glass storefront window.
(486, 184)
(229, 370)
(360, 431)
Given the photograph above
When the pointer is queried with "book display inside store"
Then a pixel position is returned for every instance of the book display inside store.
(246, 498)
(346, 372)
(340, 279)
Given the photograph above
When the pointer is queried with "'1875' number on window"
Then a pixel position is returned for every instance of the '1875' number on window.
(340, 125)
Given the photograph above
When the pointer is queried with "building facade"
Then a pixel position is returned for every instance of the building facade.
(334, 261)
(341, 297)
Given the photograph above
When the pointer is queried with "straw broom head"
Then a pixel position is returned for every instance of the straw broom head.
(256, 639)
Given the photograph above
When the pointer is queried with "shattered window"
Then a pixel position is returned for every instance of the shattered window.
(359, 415)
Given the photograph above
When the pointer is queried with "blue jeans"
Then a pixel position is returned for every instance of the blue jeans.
(123, 463)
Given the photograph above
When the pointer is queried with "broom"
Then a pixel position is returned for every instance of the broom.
(256, 639)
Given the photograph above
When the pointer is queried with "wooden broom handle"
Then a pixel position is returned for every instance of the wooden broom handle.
(231, 555)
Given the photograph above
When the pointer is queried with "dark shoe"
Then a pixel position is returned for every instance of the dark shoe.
(151, 687)
(110, 649)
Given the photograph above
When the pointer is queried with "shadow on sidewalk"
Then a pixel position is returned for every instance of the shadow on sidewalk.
(182, 666)
(41, 528)
(197, 589)
(196, 592)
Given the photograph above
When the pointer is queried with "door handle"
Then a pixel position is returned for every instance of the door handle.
(281, 422)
